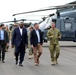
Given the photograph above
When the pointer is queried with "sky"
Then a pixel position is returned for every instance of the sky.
(10, 7)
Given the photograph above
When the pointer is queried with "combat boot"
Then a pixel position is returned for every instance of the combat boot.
(52, 63)
(55, 61)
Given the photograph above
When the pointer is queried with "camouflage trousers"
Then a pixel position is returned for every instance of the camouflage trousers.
(30, 51)
(54, 51)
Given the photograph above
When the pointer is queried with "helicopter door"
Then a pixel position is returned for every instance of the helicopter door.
(68, 28)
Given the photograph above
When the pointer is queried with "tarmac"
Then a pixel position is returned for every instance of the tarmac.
(66, 66)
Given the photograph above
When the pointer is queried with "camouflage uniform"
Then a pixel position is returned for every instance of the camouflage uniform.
(10, 34)
(29, 45)
(54, 47)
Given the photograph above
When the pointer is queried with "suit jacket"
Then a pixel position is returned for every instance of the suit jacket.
(6, 38)
(34, 38)
(17, 38)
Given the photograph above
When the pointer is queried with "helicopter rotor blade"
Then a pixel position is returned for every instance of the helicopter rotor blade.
(7, 22)
(20, 20)
(33, 11)
(50, 8)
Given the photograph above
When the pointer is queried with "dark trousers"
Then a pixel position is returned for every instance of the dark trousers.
(20, 51)
(2, 49)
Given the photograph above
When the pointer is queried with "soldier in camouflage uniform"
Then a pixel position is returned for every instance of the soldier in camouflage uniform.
(54, 35)
(29, 44)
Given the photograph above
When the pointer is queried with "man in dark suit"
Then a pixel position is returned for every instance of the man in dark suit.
(4, 40)
(36, 43)
(19, 40)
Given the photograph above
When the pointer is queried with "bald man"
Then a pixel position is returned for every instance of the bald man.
(20, 40)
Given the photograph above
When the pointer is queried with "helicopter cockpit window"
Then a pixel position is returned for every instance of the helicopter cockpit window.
(68, 26)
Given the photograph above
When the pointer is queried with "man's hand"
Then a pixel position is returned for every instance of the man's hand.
(51, 36)
(59, 37)
(31, 46)
(42, 44)
(12, 46)
(26, 46)
(7, 45)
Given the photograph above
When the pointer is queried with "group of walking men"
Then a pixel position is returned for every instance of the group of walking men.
(20, 41)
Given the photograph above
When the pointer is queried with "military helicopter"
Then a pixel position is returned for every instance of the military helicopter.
(65, 18)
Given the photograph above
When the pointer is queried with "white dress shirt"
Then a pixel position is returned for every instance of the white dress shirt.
(20, 30)
(38, 35)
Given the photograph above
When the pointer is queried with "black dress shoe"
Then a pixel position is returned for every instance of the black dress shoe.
(16, 62)
(21, 65)
(3, 61)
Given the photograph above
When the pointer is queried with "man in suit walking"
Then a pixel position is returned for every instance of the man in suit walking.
(19, 40)
(4, 40)
(36, 43)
